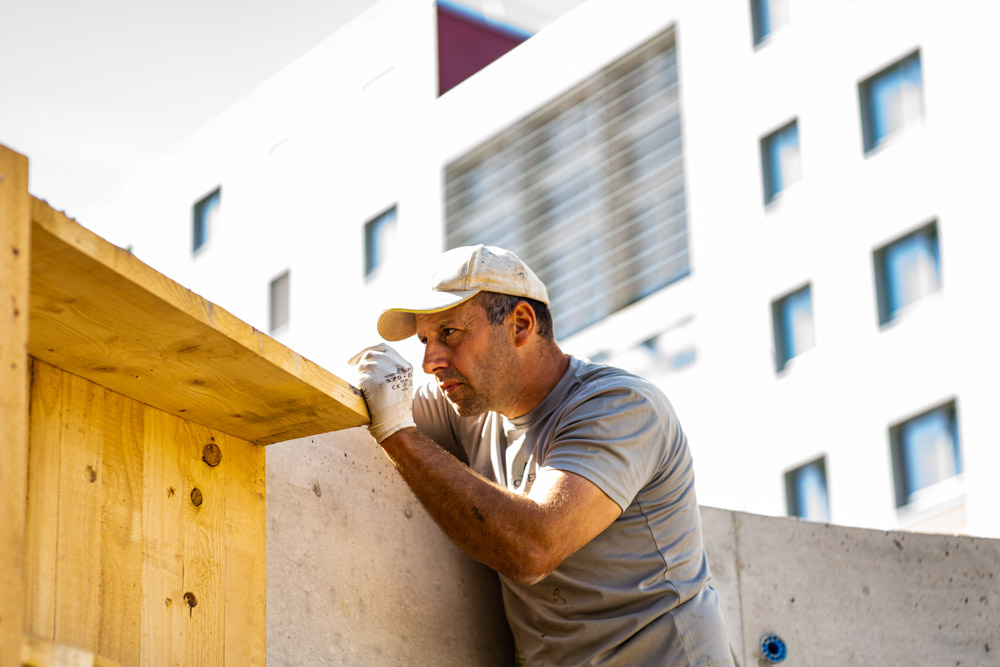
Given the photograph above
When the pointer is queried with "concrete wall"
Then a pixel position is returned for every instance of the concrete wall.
(852, 596)
(358, 574)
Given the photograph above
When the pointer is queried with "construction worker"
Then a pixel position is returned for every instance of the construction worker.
(572, 480)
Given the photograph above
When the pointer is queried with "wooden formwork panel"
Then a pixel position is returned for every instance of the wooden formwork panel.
(15, 259)
(102, 314)
(137, 549)
(123, 540)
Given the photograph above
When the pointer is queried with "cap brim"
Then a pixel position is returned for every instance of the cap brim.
(400, 323)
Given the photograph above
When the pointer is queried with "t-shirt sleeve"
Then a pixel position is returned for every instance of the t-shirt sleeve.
(436, 419)
(615, 437)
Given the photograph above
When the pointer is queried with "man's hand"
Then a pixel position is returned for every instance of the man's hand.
(386, 380)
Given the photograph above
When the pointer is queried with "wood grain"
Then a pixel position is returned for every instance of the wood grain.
(100, 313)
(119, 629)
(246, 576)
(78, 559)
(163, 609)
(206, 559)
(204, 546)
(43, 500)
(124, 565)
(15, 260)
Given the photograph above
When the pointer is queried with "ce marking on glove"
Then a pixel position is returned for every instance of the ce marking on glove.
(402, 379)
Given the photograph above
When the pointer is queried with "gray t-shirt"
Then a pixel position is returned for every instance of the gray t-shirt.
(638, 593)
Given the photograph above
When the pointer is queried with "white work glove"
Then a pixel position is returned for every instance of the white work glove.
(386, 380)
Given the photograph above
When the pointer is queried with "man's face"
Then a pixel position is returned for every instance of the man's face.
(472, 359)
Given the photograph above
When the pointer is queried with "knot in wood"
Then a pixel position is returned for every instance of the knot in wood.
(196, 497)
(212, 455)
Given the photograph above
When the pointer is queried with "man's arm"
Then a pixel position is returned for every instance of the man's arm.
(523, 537)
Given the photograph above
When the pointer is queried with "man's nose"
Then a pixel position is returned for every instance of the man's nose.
(435, 358)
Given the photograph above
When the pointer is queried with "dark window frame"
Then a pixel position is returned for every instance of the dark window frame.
(767, 162)
(904, 495)
(792, 500)
(760, 11)
(199, 218)
(887, 315)
(372, 229)
(870, 143)
(781, 358)
(280, 313)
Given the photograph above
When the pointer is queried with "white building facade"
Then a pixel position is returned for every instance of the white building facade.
(782, 212)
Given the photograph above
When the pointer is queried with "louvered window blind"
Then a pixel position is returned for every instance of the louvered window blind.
(588, 190)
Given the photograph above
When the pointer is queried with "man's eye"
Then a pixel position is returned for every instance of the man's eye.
(422, 339)
(447, 332)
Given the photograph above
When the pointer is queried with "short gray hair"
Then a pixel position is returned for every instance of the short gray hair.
(499, 306)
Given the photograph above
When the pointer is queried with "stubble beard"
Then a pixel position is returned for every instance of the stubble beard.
(493, 386)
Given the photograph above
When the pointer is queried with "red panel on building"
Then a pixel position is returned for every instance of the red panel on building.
(466, 45)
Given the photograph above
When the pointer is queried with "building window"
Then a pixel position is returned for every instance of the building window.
(794, 332)
(468, 42)
(907, 270)
(806, 492)
(767, 16)
(779, 154)
(206, 213)
(588, 190)
(380, 240)
(280, 292)
(669, 351)
(890, 100)
(672, 349)
(925, 450)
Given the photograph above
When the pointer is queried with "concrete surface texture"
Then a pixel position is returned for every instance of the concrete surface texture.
(358, 573)
(852, 596)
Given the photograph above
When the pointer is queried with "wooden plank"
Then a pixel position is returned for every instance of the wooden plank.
(100, 313)
(15, 260)
(163, 609)
(246, 575)
(204, 500)
(78, 555)
(119, 629)
(108, 554)
(43, 500)
(207, 558)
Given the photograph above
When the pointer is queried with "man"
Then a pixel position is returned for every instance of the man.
(575, 481)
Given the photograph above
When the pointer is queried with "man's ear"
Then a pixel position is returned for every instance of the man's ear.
(523, 318)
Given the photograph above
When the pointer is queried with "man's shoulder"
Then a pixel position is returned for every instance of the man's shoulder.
(593, 378)
(597, 390)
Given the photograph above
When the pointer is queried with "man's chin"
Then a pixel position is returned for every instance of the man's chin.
(465, 408)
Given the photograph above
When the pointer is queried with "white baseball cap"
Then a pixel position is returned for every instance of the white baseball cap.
(460, 274)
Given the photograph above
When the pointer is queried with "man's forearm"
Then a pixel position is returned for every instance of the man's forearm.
(496, 527)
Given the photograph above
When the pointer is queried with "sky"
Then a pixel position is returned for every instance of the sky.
(93, 91)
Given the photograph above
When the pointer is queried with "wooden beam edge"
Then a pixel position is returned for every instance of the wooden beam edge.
(202, 310)
(15, 294)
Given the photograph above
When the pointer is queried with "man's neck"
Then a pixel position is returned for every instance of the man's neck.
(540, 376)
